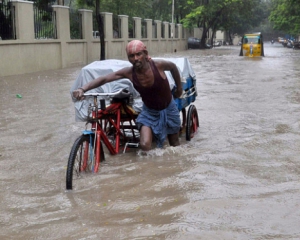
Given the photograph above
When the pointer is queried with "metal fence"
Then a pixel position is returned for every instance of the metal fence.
(144, 29)
(131, 28)
(7, 20)
(163, 31)
(44, 23)
(75, 24)
(116, 27)
(154, 29)
(96, 33)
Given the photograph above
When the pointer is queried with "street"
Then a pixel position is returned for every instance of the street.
(238, 178)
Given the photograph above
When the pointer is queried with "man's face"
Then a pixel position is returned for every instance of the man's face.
(137, 59)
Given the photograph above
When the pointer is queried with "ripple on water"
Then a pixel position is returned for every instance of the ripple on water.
(158, 152)
(282, 128)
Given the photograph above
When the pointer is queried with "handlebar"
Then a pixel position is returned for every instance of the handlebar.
(122, 93)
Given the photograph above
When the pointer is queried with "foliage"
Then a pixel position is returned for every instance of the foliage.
(250, 15)
(234, 15)
(228, 15)
(285, 16)
(43, 4)
(162, 10)
(142, 8)
(153, 9)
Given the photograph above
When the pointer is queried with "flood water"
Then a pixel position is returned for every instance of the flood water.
(237, 179)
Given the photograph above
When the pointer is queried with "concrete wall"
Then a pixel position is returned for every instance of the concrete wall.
(27, 54)
(220, 36)
(198, 32)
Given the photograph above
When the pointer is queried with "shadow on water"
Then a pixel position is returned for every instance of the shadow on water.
(237, 179)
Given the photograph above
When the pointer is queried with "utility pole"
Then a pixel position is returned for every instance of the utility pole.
(101, 30)
(172, 28)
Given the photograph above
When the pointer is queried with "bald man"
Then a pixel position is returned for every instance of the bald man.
(160, 116)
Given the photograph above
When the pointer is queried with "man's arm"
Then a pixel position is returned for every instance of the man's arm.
(176, 75)
(122, 73)
(170, 66)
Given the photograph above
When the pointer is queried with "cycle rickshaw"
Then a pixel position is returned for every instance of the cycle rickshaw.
(110, 112)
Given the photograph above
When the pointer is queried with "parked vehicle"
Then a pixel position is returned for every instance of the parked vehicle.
(208, 45)
(252, 45)
(296, 45)
(289, 44)
(284, 43)
(281, 40)
(194, 43)
(96, 34)
(218, 44)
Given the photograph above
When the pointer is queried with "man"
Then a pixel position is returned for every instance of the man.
(160, 117)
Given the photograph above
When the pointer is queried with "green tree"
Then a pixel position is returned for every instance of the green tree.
(285, 16)
(162, 10)
(250, 15)
(135, 8)
(227, 15)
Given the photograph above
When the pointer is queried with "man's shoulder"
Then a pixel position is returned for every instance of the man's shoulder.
(158, 60)
(162, 63)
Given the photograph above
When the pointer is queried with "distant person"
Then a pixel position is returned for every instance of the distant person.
(251, 48)
(160, 117)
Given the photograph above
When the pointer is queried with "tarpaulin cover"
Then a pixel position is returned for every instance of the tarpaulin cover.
(102, 68)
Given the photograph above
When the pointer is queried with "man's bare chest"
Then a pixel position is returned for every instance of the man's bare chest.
(145, 79)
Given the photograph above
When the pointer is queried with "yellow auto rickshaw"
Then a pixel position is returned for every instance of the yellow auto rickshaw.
(252, 45)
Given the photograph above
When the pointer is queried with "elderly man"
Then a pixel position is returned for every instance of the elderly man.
(160, 117)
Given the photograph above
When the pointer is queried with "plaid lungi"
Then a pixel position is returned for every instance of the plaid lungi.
(162, 122)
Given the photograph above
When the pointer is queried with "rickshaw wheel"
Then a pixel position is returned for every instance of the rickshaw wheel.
(81, 159)
(192, 123)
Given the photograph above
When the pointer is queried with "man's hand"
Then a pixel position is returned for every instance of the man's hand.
(78, 94)
(177, 92)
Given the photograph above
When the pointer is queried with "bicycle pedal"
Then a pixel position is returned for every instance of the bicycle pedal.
(130, 145)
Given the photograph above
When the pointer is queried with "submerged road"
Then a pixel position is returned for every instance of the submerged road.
(237, 179)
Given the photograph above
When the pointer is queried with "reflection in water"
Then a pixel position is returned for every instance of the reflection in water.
(237, 179)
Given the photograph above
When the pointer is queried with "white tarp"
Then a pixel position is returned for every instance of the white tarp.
(102, 68)
(184, 67)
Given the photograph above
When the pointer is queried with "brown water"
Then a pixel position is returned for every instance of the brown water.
(237, 179)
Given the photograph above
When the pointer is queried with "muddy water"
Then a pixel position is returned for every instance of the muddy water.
(237, 179)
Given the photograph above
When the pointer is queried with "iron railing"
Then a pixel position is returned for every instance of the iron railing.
(75, 24)
(154, 29)
(131, 28)
(144, 29)
(116, 26)
(96, 33)
(163, 31)
(7, 21)
(44, 23)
